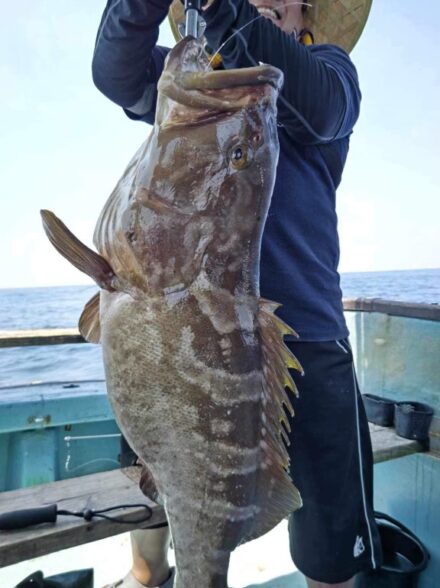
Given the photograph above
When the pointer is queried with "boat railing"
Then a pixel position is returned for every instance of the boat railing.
(24, 338)
(430, 312)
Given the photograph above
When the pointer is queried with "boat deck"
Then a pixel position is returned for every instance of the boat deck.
(264, 561)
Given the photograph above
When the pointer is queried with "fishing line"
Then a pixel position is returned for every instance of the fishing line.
(69, 439)
(63, 383)
(83, 437)
(20, 519)
(88, 514)
(234, 10)
(284, 101)
(87, 463)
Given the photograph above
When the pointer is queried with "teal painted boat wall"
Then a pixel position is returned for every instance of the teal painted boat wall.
(35, 424)
(397, 357)
(35, 457)
(408, 489)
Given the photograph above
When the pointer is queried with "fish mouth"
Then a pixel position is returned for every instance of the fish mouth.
(189, 80)
(221, 80)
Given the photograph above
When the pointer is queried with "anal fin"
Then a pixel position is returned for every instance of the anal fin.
(147, 484)
(278, 498)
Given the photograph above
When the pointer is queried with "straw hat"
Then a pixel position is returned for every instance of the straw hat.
(340, 22)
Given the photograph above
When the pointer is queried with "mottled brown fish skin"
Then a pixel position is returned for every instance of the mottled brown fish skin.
(194, 422)
(183, 354)
(195, 365)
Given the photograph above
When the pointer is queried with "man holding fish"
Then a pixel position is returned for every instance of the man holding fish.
(333, 536)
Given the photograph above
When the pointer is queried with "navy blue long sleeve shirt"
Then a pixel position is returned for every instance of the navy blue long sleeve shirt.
(317, 110)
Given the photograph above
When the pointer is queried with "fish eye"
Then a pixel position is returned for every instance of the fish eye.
(240, 156)
(237, 154)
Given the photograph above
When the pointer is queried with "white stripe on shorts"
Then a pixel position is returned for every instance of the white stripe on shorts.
(361, 469)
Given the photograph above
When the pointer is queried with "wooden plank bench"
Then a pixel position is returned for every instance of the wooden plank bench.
(387, 445)
(95, 491)
(106, 489)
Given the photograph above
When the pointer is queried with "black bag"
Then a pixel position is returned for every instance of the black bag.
(404, 557)
(76, 579)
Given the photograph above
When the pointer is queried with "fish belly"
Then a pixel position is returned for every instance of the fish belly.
(189, 400)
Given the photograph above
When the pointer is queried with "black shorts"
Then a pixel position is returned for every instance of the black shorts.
(333, 536)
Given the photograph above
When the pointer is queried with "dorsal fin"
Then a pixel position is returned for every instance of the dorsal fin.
(276, 496)
(79, 255)
(89, 321)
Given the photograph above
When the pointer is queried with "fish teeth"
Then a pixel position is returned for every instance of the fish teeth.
(265, 11)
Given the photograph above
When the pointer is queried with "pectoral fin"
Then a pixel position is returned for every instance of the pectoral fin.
(79, 255)
(89, 322)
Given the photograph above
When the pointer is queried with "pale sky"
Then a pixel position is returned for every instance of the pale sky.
(63, 145)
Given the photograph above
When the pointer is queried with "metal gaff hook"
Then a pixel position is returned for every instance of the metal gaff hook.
(193, 10)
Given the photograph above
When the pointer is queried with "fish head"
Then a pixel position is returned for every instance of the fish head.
(217, 126)
(204, 182)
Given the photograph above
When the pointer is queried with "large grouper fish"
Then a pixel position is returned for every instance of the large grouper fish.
(195, 363)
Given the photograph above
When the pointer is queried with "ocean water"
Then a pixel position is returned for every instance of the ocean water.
(44, 308)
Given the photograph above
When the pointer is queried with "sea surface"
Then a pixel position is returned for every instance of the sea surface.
(45, 308)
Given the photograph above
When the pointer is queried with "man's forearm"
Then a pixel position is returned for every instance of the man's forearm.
(125, 60)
